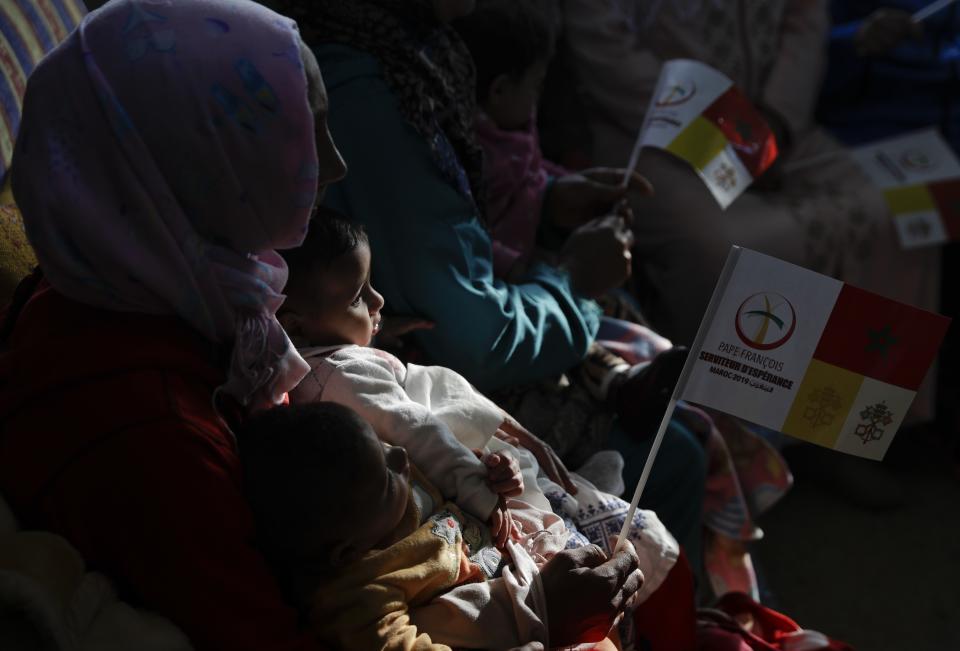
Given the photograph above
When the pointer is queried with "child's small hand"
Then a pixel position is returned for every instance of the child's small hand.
(503, 474)
(502, 527)
(517, 435)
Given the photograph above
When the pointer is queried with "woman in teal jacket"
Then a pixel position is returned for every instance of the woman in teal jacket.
(400, 87)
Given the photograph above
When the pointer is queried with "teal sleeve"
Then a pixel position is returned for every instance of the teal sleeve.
(431, 255)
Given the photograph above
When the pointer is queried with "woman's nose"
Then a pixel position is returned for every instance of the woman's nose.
(329, 161)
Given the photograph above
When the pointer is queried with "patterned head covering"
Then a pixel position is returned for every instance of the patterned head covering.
(425, 64)
(166, 148)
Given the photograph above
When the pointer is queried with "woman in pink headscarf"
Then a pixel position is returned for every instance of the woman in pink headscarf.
(166, 150)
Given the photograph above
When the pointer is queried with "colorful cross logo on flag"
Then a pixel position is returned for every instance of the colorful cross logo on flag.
(698, 115)
(809, 356)
(920, 179)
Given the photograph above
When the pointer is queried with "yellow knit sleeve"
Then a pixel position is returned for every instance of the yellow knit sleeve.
(367, 605)
(397, 634)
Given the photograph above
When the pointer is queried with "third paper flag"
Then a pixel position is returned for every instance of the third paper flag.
(920, 179)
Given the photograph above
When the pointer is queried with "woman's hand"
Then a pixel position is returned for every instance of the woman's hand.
(575, 199)
(586, 591)
(597, 256)
(517, 435)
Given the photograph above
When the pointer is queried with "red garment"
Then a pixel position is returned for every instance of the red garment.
(667, 621)
(109, 438)
(719, 630)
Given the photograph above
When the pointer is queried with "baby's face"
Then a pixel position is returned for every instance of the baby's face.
(343, 308)
(511, 103)
(381, 491)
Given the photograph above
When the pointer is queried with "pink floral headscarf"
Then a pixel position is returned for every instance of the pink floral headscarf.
(167, 148)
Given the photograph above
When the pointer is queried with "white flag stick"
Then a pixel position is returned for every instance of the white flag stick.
(671, 406)
(931, 9)
(634, 155)
(638, 145)
(718, 291)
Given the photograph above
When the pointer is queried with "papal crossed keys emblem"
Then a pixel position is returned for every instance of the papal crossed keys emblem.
(875, 418)
(725, 176)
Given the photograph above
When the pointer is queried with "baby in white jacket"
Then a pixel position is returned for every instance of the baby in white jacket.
(332, 313)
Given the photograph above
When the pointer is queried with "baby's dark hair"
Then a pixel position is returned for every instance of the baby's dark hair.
(330, 235)
(505, 37)
(296, 467)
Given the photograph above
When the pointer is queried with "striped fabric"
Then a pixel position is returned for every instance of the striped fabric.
(28, 30)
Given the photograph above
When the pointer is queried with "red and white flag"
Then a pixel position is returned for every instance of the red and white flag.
(809, 356)
(698, 115)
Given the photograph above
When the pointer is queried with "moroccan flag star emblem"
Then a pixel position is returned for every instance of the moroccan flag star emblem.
(881, 340)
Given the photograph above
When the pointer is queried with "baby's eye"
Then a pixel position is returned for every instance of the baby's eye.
(356, 301)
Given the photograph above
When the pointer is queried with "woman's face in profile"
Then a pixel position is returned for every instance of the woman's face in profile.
(447, 10)
(330, 165)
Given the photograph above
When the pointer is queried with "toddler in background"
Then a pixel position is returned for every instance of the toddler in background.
(512, 42)
(359, 538)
